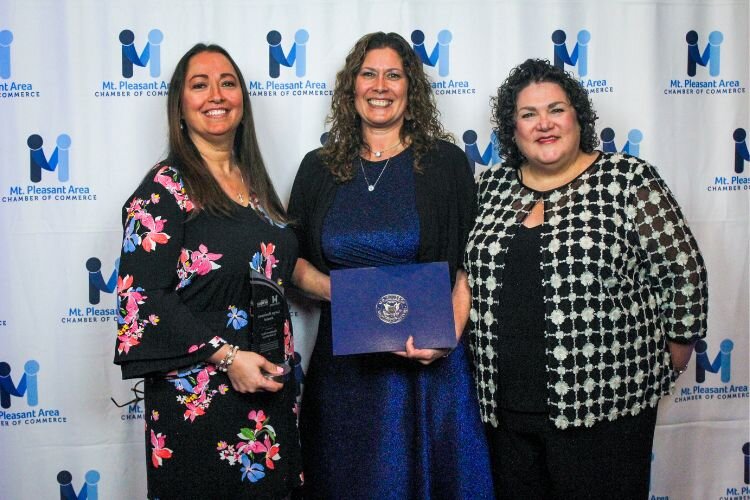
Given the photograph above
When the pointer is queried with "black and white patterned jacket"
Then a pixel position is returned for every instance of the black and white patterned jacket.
(622, 276)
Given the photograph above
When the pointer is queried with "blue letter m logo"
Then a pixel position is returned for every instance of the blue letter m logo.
(632, 145)
(721, 363)
(711, 55)
(151, 53)
(96, 279)
(277, 58)
(27, 384)
(440, 53)
(491, 153)
(58, 160)
(89, 490)
(578, 56)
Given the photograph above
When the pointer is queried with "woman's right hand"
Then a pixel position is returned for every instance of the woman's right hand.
(246, 373)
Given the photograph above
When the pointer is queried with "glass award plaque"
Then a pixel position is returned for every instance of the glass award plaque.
(269, 312)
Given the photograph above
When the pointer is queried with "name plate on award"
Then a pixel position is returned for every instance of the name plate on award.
(269, 312)
(376, 309)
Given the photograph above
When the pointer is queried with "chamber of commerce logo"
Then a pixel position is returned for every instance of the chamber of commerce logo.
(722, 366)
(722, 363)
(96, 280)
(741, 153)
(711, 56)
(11, 89)
(27, 385)
(578, 56)
(489, 157)
(440, 55)
(150, 56)
(297, 55)
(739, 458)
(96, 284)
(89, 490)
(6, 38)
(737, 182)
(631, 146)
(59, 159)
(742, 454)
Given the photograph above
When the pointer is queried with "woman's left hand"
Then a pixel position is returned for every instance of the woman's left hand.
(423, 356)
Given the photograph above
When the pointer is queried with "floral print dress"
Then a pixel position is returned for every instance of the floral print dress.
(182, 292)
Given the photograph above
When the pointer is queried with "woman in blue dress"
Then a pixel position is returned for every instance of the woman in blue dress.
(387, 188)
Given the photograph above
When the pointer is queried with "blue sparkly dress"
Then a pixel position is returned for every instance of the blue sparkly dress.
(380, 426)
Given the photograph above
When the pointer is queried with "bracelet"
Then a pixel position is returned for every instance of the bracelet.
(225, 363)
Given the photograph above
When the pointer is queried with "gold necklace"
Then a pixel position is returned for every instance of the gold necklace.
(239, 193)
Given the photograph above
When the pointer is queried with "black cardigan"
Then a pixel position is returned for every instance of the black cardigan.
(446, 204)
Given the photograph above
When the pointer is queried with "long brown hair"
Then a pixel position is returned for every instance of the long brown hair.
(421, 126)
(200, 185)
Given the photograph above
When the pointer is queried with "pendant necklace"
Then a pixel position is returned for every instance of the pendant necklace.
(371, 187)
(239, 193)
(378, 154)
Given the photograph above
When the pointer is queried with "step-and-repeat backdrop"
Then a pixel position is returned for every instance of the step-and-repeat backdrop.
(82, 117)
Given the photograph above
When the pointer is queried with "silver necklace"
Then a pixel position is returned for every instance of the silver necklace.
(378, 154)
(371, 187)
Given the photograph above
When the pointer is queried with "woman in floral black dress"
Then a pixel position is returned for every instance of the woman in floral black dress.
(198, 223)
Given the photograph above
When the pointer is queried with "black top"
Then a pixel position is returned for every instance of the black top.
(182, 293)
(622, 275)
(521, 356)
(445, 196)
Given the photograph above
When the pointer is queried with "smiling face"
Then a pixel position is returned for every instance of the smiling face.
(212, 99)
(547, 131)
(380, 90)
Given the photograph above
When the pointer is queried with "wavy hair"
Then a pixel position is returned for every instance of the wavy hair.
(200, 185)
(421, 125)
(504, 106)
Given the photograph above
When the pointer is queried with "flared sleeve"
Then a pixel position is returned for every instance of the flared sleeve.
(156, 331)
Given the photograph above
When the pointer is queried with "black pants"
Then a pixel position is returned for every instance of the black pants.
(533, 459)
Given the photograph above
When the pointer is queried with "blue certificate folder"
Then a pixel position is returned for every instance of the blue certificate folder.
(375, 309)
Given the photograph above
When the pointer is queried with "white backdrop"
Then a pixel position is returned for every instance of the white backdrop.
(62, 87)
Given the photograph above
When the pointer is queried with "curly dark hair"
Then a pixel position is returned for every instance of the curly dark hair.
(504, 106)
(422, 125)
(199, 183)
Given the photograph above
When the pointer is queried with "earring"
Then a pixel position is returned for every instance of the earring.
(182, 124)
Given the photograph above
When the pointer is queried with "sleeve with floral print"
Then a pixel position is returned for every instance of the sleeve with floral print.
(675, 264)
(156, 332)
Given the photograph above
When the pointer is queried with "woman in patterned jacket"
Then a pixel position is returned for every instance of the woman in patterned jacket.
(219, 423)
(588, 293)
